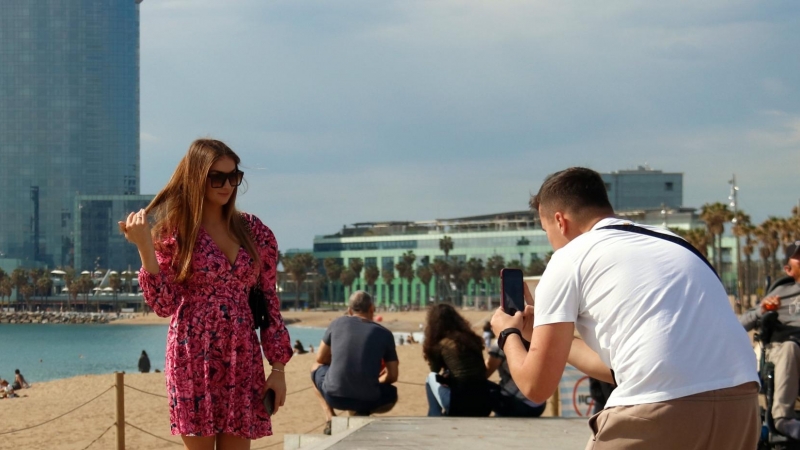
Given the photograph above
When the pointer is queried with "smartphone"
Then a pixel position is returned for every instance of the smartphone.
(269, 401)
(512, 291)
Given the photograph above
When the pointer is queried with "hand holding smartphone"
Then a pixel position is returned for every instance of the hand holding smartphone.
(512, 291)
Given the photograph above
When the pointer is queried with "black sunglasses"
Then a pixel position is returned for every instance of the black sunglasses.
(218, 179)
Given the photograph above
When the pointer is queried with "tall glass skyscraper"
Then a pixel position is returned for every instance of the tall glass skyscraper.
(69, 117)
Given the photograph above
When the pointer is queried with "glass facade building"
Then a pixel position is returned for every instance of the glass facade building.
(69, 117)
(97, 240)
(514, 236)
(644, 188)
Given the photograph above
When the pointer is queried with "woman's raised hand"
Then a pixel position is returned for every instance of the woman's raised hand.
(136, 229)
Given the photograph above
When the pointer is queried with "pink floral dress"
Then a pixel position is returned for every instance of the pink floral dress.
(214, 369)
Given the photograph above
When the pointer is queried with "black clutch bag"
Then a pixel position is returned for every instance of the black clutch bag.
(258, 306)
(256, 298)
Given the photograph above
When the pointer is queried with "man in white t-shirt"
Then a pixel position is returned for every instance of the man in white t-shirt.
(654, 318)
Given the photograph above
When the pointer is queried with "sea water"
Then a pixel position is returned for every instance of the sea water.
(44, 352)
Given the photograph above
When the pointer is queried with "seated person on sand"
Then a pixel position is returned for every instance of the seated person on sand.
(506, 399)
(6, 390)
(457, 384)
(298, 348)
(19, 381)
(348, 374)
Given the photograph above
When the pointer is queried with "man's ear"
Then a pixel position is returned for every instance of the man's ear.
(561, 223)
(349, 311)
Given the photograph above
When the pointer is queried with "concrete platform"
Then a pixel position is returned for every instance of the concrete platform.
(460, 433)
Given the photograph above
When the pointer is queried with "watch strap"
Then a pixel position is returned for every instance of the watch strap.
(501, 340)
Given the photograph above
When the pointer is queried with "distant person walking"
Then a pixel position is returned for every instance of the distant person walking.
(144, 363)
(199, 263)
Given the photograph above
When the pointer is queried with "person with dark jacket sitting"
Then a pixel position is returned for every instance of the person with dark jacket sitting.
(144, 363)
(457, 384)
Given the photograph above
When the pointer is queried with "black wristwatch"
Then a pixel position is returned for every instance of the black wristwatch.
(501, 340)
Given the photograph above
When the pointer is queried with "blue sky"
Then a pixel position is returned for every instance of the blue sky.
(355, 110)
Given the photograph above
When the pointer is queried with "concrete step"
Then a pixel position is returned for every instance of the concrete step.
(296, 441)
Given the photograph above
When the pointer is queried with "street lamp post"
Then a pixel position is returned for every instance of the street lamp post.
(734, 204)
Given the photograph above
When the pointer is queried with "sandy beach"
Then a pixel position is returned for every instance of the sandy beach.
(404, 321)
(76, 430)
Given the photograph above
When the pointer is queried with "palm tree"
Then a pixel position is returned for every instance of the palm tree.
(3, 278)
(19, 278)
(371, 274)
(445, 245)
(356, 264)
(494, 264)
(715, 215)
(297, 267)
(85, 284)
(772, 228)
(5, 290)
(741, 225)
(697, 237)
(333, 270)
(69, 281)
(44, 286)
(441, 268)
(405, 268)
(475, 270)
(514, 264)
(536, 266)
(388, 276)
(115, 283)
(425, 274)
(26, 291)
(347, 277)
(461, 277)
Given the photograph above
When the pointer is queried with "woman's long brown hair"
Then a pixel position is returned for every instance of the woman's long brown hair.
(178, 208)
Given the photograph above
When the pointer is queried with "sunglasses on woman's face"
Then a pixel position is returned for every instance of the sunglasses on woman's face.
(217, 179)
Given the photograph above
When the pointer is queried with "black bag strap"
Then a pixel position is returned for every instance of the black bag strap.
(667, 237)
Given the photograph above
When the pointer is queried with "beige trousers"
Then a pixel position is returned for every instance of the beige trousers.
(724, 419)
(786, 358)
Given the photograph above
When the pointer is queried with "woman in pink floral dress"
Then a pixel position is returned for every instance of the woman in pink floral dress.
(198, 265)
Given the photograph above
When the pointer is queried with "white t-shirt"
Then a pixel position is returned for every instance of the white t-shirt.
(653, 311)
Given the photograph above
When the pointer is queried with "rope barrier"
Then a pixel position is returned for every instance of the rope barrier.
(145, 392)
(299, 390)
(98, 437)
(151, 434)
(58, 417)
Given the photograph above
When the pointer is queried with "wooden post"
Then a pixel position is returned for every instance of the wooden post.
(120, 381)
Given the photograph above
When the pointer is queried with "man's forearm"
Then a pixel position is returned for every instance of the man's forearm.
(587, 361)
(538, 371)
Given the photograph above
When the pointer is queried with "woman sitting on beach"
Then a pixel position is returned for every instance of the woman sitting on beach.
(298, 347)
(199, 264)
(457, 383)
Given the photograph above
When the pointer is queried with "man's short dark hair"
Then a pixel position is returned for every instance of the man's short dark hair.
(360, 301)
(573, 190)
